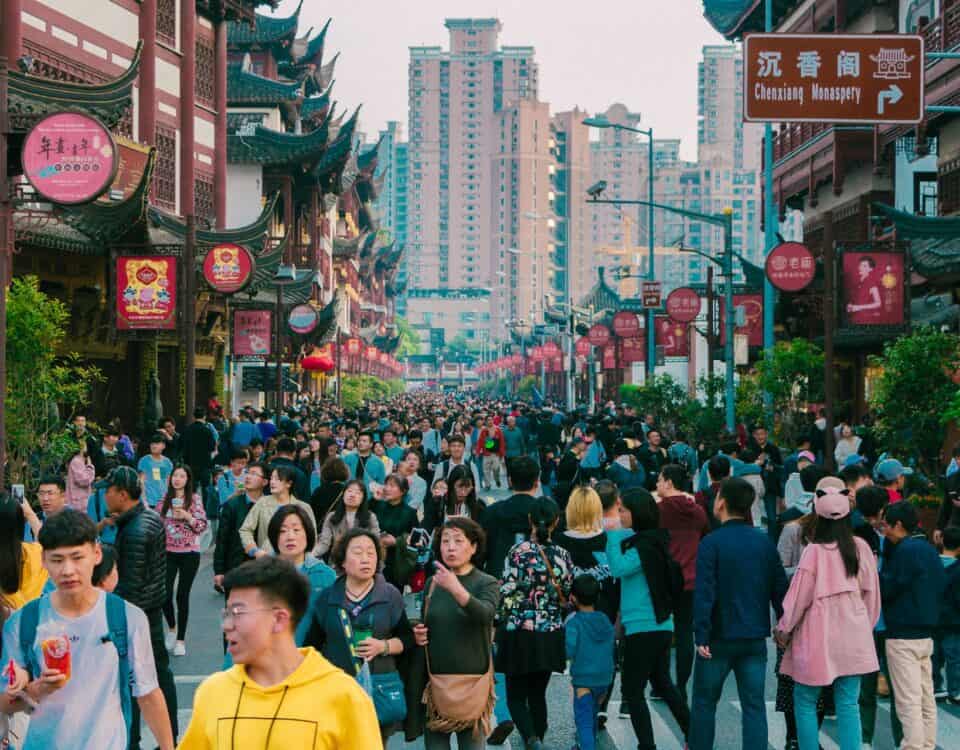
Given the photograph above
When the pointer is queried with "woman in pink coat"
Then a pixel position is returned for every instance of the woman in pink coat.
(80, 475)
(828, 618)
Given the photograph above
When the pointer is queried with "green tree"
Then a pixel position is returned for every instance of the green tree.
(703, 417)
(793, 376)
(360, 389)
(663, 397)
(409, 339)
(42, 383)
(914, 393)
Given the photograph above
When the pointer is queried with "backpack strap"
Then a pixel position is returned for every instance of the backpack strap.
(117, 627)
(29, 619)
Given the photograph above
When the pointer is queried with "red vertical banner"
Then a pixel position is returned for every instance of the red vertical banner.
(672, 336)
(146, 292)
(610, 356)
(873, 289)
(635, 349)
(753, 303)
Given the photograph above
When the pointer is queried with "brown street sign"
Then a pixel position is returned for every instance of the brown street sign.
(852, 78)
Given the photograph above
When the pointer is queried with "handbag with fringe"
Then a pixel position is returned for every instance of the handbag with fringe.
(457, 702)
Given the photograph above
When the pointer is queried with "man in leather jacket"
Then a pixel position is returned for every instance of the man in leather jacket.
(141, 546)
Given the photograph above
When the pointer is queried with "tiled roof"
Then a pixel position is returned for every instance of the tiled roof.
(265, 30)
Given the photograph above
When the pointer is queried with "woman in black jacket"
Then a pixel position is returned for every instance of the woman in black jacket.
(333, 478)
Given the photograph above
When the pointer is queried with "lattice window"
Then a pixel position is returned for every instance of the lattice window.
(165, 174)
(205, 72)
(203, 205)
(948, 188)
(167, 21)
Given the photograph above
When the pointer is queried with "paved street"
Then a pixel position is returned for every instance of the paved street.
(204, 656)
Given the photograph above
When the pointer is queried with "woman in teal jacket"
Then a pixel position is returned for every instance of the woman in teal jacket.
(638, 555)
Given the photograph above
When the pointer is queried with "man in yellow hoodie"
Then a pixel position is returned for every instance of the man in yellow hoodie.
(277, 696)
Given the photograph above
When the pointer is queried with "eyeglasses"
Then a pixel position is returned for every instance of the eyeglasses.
(229, 614)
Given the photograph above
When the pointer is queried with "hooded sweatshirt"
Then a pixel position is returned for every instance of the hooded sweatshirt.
(589, 637)
(687, 523)
(317, 707)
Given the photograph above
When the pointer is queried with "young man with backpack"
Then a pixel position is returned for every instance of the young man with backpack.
(87, 701)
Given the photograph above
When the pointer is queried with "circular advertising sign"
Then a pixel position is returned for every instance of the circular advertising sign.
(626, 324)
(583, 347)
(228, 268)
(790, 267)
(70, 158)
(303, 319)
(599, 334)
(683, 304)
(550, 350)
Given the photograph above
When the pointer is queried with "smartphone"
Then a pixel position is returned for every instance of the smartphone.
(17, 492)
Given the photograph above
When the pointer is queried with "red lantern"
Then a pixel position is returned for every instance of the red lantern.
(516, 360)
(311, 363)
(372, 354)
(536, 354)
(384, 358)
(353, 347)
(550, 350)
(583, 347)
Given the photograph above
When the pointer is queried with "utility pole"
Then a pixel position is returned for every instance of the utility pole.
(771, 217)
(729, 320)
(710, 322)
(651, 271)
(829, 322)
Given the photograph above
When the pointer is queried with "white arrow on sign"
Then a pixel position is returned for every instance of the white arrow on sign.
(893, 94)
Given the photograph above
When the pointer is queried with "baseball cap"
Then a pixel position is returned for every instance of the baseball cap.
(807, 455)
(854, 459)
(831, 498)
(890, 469)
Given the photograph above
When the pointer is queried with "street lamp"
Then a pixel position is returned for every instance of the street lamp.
(724, 220)
(601, 121)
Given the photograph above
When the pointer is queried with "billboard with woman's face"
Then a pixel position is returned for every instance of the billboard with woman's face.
(873, 289)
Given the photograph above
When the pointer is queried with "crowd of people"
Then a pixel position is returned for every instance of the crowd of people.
(372, 588)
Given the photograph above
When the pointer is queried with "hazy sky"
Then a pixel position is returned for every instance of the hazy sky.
(643, 53)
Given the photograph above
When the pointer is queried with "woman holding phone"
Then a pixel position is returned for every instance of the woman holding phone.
(459, 610)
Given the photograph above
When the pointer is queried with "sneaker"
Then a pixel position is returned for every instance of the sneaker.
(499, 735)
(170, 639)
(940, 694)
(624, 712)
(180, 649)
(953, 700)
(601, 721)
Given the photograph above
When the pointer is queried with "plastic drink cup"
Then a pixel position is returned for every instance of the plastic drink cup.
(361, 634)
(56, 654)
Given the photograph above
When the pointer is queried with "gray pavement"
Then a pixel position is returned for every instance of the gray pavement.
(205, 655)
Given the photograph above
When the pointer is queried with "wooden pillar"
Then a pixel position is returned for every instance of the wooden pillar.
(147, 89)
(288, 218)
(188, 97)
(313, 228)
(11, 33)
(220, 126)
(829, 323)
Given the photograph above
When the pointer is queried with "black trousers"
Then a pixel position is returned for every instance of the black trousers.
(164, 678)
(683, 630)
(647, 659)
(527, 701)
(185, 565)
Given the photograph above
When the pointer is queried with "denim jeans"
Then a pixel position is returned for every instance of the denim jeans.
(846, 691)
(747, 659)
(946, 654)
(586, 705)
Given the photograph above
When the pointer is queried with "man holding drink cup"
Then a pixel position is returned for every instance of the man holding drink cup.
(72, 660)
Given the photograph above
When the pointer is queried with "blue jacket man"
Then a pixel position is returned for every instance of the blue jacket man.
(739, 576)
(363, 464)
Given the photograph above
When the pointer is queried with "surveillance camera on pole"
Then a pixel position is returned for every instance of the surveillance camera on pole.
(596, 189)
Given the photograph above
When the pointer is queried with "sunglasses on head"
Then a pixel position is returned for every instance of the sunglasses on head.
(821, 493)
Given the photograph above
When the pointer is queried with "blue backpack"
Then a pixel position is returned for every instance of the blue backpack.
(117, 627)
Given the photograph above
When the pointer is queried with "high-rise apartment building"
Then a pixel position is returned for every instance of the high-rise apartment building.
(392, 173)
(571, 178)
(722, 134)
(455, 100)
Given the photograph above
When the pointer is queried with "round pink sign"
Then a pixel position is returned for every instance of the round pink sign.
(791, 267)
(303, 319)
(69, 158)
(599, 335)
(626, 324)
(584, 347)
(683, 304)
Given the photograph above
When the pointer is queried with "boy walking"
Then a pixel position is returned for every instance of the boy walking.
(155, 470)
(86, 701)
(276, 695)
(590, 651)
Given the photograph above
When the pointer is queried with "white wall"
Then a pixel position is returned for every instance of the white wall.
(244, 192)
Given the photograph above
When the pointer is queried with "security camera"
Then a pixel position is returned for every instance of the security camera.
(595, 190)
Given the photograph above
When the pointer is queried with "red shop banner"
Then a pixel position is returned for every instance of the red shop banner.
(672, 336)
(610, 356)
(754, 326)
(683, 304)
(790, 267)
(252, 333)
(626, 324)
(147, 292)
(599, 335)
(873, 289)
(583, 347)
(635, 350)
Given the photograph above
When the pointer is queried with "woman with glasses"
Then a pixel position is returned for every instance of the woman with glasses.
(461, 500)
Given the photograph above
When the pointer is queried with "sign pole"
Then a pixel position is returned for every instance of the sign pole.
(710, 323)
(190, 314)
(729, 319)
(769, 232)
(651, 254)
(829, 279)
